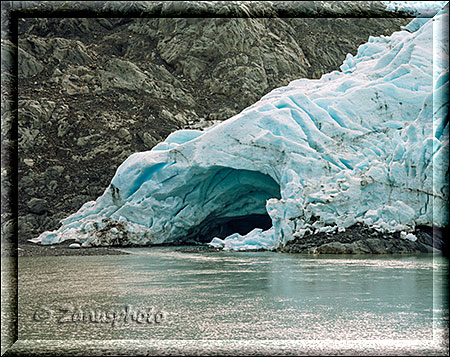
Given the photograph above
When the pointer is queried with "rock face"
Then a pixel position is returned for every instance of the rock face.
(367, 144)
(94, 90)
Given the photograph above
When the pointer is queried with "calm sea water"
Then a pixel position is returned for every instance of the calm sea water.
(163, 294)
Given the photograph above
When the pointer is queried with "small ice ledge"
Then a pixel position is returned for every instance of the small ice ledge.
(366, 144)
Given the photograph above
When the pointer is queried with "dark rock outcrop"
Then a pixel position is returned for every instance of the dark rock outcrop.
(360, 239)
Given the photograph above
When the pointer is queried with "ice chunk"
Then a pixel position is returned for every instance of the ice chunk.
(408, 236)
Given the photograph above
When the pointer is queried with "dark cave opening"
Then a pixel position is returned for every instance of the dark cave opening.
(235, 201)
(224, 226)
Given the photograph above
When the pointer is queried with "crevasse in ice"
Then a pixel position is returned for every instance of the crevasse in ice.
(368, 143)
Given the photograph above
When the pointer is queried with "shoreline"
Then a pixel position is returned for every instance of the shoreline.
(357, 239)
(29, 249)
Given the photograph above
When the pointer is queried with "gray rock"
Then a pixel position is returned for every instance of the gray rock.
(29, 66)
(37, 205)
(63, 128)
(124, 134)
(90, 139)
(126, 75)
(147, 139)
(52, 186)
(105, 23)
(26, 182)
(333, 248)
(28, 162)
(54, 172)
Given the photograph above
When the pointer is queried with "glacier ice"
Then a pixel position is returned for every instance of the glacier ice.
(417, 8)
(368, 143)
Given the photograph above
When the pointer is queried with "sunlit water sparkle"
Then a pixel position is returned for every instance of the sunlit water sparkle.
(239, 297)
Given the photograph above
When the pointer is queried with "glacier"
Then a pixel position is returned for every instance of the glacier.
(368, 144)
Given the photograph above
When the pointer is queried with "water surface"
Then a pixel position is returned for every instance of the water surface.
(232, 296)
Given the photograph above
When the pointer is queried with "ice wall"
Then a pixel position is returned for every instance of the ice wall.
(366, 144)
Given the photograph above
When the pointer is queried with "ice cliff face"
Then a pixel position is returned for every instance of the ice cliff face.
(365, 144)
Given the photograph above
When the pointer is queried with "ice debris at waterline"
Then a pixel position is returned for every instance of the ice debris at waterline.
(365, 144)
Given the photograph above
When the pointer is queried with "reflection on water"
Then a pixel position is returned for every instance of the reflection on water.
(231, 296)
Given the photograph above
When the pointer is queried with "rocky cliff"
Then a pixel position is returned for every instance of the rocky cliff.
(91, 91)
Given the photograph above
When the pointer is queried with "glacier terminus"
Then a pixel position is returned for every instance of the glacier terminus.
(367, 144)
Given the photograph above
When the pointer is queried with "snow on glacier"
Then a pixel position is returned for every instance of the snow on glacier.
(368, 143)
